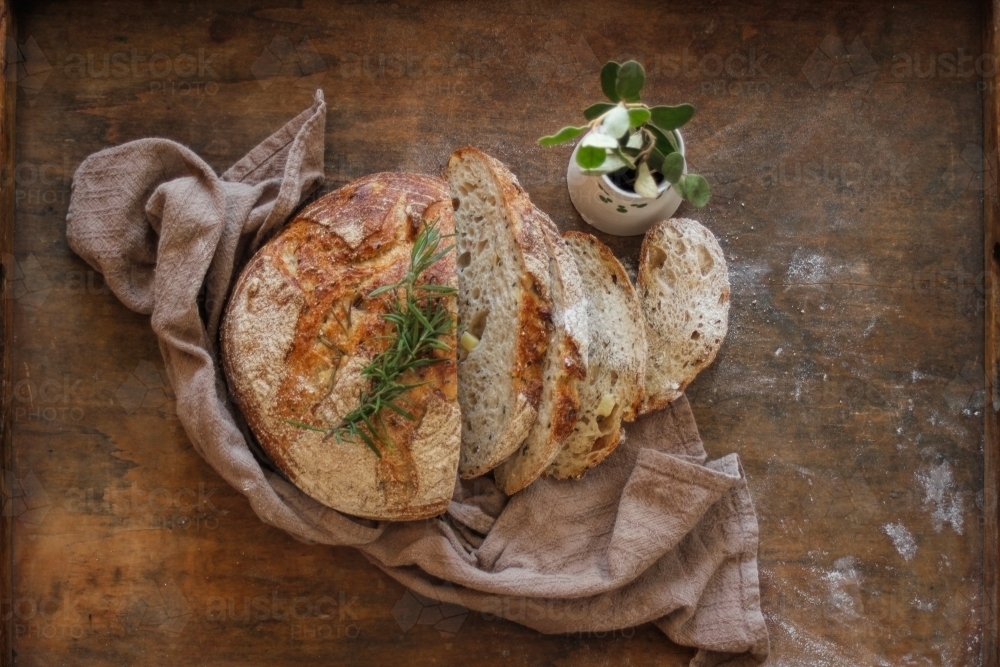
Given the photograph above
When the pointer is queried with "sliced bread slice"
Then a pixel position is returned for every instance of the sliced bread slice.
(684, 287)
(503, 309)
(565, 368)
(616, 359)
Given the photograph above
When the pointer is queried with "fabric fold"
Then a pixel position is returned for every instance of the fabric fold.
(653, 534)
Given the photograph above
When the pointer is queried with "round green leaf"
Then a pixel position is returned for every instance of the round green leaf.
(595, 110)
(655, 160)
(695, 189)
(562, 135)
(609, 76)
(631, 78)
(670, 118)
(673, 167)
(637, 117)
(663, 143)
(611, 163)
(590, 157)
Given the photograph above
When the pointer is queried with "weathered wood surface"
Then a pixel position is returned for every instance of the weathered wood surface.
(991, 262)
(8, 88)
(844, 144)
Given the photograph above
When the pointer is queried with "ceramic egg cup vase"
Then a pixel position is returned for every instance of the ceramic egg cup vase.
(615, 211)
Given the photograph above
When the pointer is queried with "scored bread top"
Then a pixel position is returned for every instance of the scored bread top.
(300, 327)
(504, 302)
(684, 286)
(565, 367)
(616, 358)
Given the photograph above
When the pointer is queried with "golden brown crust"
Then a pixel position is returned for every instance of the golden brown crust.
(533, 314)
(568, 366)
(302, 362)
(627, 362)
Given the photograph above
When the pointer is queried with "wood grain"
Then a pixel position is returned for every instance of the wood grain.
(991, 412)
(8, 86)
(845, 147)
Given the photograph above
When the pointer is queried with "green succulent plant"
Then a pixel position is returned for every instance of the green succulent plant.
(631, 140)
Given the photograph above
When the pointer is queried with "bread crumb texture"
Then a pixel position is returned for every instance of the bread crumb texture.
(684, 287)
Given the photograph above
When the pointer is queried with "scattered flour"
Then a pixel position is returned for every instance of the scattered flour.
(843, 581)
(902, 539)
(806, 269)
(794, 646)
(940, 495)
(870, 327)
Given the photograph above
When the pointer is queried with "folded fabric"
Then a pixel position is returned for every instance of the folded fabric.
(653, 534)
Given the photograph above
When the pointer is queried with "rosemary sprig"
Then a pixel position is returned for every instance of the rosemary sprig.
(420, 322)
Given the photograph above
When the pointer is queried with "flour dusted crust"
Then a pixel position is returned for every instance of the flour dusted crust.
(564, 369)
(616, 358)
(299, 328)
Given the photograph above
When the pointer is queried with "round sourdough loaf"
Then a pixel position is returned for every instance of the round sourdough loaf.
(300, 327)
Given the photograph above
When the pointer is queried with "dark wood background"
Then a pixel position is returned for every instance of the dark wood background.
(844, 143)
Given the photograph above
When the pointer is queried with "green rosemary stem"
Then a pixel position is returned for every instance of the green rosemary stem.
(420, 323)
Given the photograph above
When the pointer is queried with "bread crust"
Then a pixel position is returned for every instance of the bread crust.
(533, 313)
(627, 366)
(566, 366)
(299, 327)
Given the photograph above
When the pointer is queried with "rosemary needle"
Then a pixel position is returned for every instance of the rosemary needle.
(420, 322)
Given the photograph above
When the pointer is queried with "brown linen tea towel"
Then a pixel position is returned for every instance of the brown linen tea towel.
(653, 534)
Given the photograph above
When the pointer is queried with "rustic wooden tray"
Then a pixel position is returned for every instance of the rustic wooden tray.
(852, 152)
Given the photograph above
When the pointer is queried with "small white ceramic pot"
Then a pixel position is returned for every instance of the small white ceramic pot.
(612, 210)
